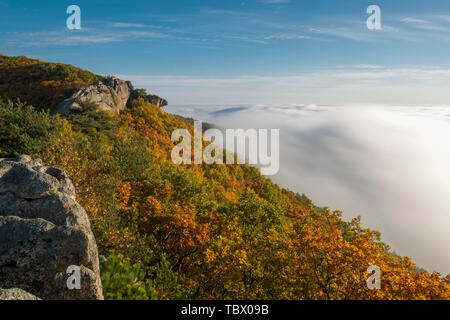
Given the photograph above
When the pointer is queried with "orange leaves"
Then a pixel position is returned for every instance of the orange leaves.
(186, 231)
(180, 231)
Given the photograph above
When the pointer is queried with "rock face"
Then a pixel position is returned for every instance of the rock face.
(44, 231)
(110, 94)
(16, 294)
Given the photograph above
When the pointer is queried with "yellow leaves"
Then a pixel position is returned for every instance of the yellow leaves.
(114, 238)
(123, 194)
(152, 205)
(210, 256)
(241, 258)
(335, 267)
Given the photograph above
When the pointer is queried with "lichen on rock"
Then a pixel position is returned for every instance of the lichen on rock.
(16, 294)
(43, 231)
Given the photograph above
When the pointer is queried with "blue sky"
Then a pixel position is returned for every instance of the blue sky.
(231, 51)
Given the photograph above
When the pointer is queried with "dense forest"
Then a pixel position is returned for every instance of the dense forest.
(167, 231)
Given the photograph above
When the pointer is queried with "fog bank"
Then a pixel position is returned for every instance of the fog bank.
(389, 164)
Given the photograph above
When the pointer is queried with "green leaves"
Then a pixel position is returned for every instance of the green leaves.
(130, 157)
(23, 130)
(90, 120)
(123, 280)
(255, 215)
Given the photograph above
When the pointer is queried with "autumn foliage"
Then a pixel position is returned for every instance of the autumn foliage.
(206, 231)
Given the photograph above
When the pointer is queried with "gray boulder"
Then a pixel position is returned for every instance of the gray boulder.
(43, 231)
(110, 94)
(16, 294)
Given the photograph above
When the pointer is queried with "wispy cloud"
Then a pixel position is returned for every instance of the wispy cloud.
(220, 28)
(85, 36)
(346, 33)
(288, 36)
(423, 24)
(414, 20)
(355, 84)
(148, 34)
(442, 17)
(274, 1)
(368, 66)
(132, 25)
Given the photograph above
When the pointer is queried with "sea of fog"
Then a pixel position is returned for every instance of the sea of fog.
(389, 164)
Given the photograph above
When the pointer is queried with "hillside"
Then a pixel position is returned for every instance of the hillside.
(191, 231)
(41, 84)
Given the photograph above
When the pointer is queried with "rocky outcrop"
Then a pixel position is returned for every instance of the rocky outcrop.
(44, 231)
(157, 101)
(16, 294)
(110, 94)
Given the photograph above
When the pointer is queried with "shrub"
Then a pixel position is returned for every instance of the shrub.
(123, 280)
(130, 158)
(24, 130)
(90, 120)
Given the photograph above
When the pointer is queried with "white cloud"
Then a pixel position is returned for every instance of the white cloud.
(287, 36)
(413, 20)
(423, 24)
(368, 66)
(85, 36)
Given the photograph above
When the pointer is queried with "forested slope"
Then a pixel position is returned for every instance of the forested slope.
(195, 231)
